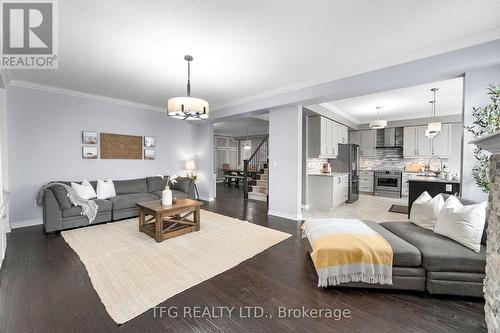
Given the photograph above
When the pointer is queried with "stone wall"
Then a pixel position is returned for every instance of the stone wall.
(492, 281)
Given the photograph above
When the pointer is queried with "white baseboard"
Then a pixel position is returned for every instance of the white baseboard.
(207, 198)
(295, 217)
(1, 261)
(25, 223)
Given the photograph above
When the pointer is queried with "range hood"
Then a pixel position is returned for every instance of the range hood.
(390, 137)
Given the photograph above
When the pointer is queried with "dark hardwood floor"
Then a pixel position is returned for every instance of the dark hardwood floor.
(45, 288)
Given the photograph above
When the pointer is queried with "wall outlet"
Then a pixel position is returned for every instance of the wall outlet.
(449, 188)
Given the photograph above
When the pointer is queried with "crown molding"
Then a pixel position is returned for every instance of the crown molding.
(74, 93)
(433, 50)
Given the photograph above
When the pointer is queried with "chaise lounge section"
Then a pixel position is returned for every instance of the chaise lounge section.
(59, 214)
(424, 260)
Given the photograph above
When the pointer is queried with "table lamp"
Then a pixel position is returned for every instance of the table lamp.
(190, 166)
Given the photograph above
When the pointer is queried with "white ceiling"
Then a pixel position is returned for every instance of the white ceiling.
(242, 127)
(133, 50)
(399, 104)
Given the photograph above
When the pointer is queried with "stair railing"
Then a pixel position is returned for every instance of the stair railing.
(252, 165)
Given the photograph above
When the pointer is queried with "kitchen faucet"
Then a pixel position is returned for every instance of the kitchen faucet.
(428, 167)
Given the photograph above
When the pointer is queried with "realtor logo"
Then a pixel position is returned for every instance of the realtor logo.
(29, 34)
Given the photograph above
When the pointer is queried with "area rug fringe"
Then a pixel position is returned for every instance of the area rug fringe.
(380, 278)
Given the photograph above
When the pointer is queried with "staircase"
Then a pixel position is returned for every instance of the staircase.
(259, 187)
(256, 175)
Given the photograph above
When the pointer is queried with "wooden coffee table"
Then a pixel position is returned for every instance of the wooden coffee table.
(169, 221)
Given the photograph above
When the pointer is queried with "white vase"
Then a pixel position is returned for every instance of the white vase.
(166, 197)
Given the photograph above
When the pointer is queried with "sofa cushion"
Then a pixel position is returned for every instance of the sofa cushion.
(131, 186)
(103, 206)
(439, 253)
(466, 202)
(179, 194)
(405, 254)
(183, 184)
(61, 196)
(156, 183)
(125, 201)
(175, 194)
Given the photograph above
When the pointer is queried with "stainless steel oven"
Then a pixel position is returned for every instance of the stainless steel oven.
(388, 183)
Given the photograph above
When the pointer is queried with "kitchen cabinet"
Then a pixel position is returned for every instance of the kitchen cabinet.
(324, 136)
(366, 181)
(441, 143)
(355, 137)
(342, 133)
(367, 141)
(415, 143)
(327, 192)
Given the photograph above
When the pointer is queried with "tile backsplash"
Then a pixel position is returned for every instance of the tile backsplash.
(315, 165)
(389, 159)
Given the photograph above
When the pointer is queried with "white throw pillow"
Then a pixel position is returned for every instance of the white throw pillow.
(105, 189)
(425, 209)
(85, 190)
(463, 224)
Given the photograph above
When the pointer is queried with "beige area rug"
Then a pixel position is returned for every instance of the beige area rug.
(132, 273)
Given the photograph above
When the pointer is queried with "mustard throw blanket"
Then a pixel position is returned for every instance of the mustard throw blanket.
(346, 250)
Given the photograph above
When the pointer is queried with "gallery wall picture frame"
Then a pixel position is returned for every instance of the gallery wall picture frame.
(89, 137)
(89, 153)
(149, 141)
(149, 154)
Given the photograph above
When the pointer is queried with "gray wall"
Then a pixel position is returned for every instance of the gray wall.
(44, 142)
(203, 148)
(476, 82)
(285, 162)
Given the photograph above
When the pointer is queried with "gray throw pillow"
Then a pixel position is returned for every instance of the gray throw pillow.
(156, 183)
(61, 196)
(183, 184)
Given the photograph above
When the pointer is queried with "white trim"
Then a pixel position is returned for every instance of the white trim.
(490, 142)
(285, 215)
(305, 206)
(339, 112)
(204, 198)
(26, 223)
(449, 46)
(74, 93)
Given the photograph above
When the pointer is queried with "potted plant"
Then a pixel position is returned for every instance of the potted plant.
(486, 121)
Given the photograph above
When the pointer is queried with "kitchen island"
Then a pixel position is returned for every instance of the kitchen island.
(418, 184)
(328, 190)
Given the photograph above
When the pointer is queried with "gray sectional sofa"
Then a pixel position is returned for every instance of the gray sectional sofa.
(424, 260)
(60, 214)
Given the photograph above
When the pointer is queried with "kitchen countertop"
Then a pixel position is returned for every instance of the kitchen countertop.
(331, 174)
(417, 178)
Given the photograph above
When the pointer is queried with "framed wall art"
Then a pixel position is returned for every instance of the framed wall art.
(149, 154)
(89, 138)
(89, 153)
(149, 141)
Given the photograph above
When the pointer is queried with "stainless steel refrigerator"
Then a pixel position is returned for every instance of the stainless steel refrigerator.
(348, 161)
